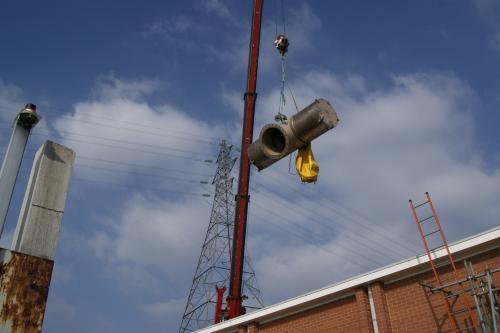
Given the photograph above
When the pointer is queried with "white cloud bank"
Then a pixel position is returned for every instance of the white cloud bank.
(391, 145)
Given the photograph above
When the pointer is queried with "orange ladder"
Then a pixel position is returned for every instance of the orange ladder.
(438, 281)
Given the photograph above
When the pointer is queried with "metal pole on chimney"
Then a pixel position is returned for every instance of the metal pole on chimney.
(22, 126)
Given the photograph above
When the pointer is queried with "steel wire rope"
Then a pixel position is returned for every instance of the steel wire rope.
(276, 19)
(333, 229)
(115, 120)
(138, 131)
(132, 164)
(335, 223)
(283, 11)
(316, 234)
(306, 240)
(339, 213)
(352, 210)
(130, 149)
(116, 140)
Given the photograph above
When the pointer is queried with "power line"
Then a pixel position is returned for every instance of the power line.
(281, 203)
(144, 174)
(339, 213)
(142, 188)
(309, 218)
(135, 173)
(129, 149)
(136, 130)
(114, 120)
(318, 235)
(347, 207)
(310, 242)
(129, 164)
(115, 140)
(136, 187)
(335, 223)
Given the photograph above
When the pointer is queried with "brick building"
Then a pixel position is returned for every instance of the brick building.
(401, 304)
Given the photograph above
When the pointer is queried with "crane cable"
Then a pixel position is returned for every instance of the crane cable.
(281, 43)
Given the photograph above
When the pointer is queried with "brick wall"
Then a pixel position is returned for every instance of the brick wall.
(401, 306)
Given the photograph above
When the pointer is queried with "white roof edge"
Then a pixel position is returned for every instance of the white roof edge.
(272, 312)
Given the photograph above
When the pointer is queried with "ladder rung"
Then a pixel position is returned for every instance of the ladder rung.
(459, 311)
(431, 233)
(436, 248)
(463, 329)
(421, 204)
(441, 264)
(457, 293)
(453, 277)
(430, 217)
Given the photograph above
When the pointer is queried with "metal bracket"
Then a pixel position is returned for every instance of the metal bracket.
(242, 196)
(248, 93)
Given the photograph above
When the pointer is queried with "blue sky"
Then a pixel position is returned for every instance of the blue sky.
(127, 85)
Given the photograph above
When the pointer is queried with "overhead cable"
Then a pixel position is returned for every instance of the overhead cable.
(135, 173)
(137, 131)
(309, 218)
(114, 120)
(318, 235)
(115, 140)
(144, 174)
(78, 157)
(136, 187)
(133, 149)
(352, 210)
(307, 240)
(312, 243)
(335, 223)
(339, 213)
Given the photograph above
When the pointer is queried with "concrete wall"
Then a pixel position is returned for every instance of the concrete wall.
(401, 306)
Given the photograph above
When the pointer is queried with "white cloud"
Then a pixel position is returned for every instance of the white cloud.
(391, 145)
(9, 93)
(61, 274)
(137, 134)
(218, 7)
(495, 41)
(168, 313)
(150, 241)
(489, 11)
(109, 88)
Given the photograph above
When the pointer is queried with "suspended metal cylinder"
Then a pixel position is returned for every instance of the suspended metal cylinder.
(279, 140)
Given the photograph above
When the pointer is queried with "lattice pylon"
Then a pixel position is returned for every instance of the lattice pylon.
(214, 264)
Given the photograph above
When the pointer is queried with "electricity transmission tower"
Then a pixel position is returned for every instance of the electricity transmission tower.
(214, 264)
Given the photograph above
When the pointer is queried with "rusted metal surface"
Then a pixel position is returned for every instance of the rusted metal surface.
(25, 282)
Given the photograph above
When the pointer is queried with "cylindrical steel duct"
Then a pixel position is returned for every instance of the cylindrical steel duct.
(279, 140)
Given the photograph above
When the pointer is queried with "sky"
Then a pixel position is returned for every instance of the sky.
(142, 91)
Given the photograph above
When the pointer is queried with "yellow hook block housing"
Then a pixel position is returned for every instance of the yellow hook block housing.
(306, 166)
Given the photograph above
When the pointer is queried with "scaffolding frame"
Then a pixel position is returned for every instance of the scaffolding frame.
(472, 279)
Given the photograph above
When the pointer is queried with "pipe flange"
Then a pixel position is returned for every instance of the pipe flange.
(268, 151)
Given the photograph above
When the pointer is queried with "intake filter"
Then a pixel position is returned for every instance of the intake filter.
(279, 140)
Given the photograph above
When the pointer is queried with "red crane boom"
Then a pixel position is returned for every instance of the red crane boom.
(242, 198)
